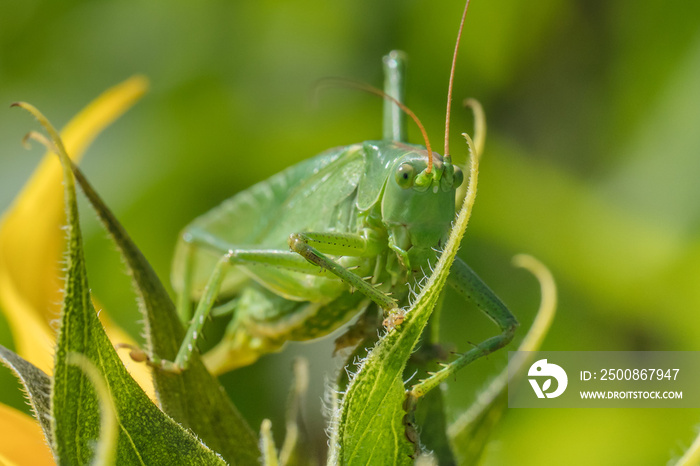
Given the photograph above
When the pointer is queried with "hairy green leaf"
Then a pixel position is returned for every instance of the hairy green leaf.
(430, 415)
(146, 434)
(107, 444)
(194, 398)
(37, 385)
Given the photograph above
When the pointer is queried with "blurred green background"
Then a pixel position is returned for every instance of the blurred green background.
(591, 164)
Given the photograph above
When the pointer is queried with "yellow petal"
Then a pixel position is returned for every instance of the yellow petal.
(22, 441)
(31, 243)
(31, 239)
(34, 339)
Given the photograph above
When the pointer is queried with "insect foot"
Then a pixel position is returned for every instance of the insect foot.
(394, 319)
(139, 355)
(135, 353)
(298, 244)
(365, 327)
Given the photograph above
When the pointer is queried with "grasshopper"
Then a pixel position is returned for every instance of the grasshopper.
(296, 256)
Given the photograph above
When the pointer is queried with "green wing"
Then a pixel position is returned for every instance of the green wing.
(311, 195)
(320, 201)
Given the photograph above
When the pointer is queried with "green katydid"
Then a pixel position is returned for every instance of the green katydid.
(301, 253)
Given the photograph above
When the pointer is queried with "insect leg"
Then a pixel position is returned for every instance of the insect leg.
(204, 306)
(394, 117)
(184, 308)
(185, 296)
(284, 260)
(345, 245)
(463, 279)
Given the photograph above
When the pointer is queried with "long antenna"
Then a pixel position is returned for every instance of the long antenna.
(452, 77)
(373, 90)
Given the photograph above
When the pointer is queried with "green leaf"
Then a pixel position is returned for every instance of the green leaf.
(370, 429)
(193, 398)
(470, 433)
(371, 426)
(146, 434)
(37, 385)
(107, 444)
(430, 415)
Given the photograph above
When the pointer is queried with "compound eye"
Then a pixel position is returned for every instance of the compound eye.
(405, 175)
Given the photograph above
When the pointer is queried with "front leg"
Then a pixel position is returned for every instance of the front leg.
(464, 280)
(309, 246)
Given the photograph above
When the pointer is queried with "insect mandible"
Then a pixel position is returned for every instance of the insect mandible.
(296, 256)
